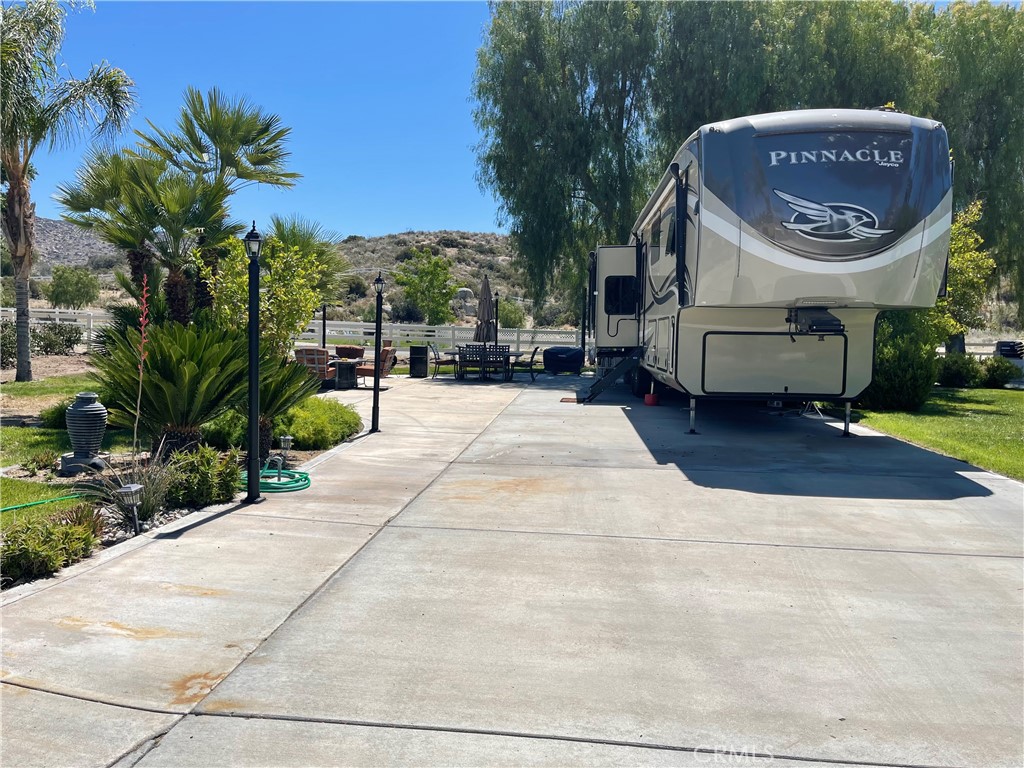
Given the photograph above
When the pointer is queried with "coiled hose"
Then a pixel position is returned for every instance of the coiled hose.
(278, 480)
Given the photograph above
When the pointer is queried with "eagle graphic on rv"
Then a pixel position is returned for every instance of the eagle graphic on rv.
(829, 221)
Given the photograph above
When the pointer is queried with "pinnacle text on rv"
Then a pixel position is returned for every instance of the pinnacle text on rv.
(890, 159)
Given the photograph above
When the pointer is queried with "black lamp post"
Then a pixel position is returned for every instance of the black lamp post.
(495, 317)
(378, 286)
(253, 246)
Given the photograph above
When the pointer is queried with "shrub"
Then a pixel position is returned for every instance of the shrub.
(72, 287)
(904, 362)
(54, 416)
(403, 310)
(959, 370)
(84, 514)
(35, 547)
(154, 477)
(202, 477)
(55, 338)
(8, 344)
(318, 424)
(998, 372)
(45, 459)
(511, 314)
(226, 431)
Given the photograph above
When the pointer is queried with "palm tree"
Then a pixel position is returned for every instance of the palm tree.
(220, 140)
(311, 237)
(143, 204)
(39, 106)
(98, 199)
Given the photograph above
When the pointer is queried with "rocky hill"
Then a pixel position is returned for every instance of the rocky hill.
(473, 255)
(62, 243)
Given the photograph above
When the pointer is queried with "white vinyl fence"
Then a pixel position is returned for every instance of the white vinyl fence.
(88, 321)
(444, 336)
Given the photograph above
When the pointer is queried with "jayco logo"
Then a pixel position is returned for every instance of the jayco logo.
(892, 158)
(831, 222)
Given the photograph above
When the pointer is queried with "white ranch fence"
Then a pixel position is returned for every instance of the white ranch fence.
(444, 336)
(403, 334)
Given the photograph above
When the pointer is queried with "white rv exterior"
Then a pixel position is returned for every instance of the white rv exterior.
(799, 228)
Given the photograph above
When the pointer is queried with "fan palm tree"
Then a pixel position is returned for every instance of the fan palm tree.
(143, 204)
(311, 237)
(96, 200)
(40, 106)
(222, 140)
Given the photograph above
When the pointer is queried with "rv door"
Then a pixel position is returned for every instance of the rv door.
(617, 311)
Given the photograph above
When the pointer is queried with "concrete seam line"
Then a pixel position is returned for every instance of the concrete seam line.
(92, 699)
(306, 519)
(448, 465)
(724, 542)
(553, 737)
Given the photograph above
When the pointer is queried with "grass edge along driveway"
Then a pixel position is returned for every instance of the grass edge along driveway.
(984, 427)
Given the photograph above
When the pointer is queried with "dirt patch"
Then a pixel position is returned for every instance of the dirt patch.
(16, 410)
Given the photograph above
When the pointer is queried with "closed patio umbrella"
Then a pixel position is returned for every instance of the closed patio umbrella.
(486, 324)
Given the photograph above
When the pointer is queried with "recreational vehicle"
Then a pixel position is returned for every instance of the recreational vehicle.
(760, 262)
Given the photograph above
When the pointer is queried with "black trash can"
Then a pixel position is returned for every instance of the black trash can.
(563, 360)
(418, 362)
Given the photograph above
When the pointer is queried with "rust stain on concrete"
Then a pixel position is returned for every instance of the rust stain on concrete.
(224, 705)
(192, 688)
(482, 488)
(193, 590)
(119, 629)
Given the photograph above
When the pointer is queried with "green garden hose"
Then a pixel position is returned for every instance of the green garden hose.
(291, 480)
(44, 501)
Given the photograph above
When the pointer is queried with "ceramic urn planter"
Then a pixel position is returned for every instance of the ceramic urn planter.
(87, 422)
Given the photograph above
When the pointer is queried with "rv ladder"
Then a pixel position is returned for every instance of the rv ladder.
(628, 363)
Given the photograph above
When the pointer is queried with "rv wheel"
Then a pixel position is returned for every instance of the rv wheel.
(639, 382)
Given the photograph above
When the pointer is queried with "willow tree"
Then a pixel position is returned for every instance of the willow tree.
(981, 102)
(41, 107)
(561, 91)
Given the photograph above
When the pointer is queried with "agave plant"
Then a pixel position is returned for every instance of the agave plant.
(190, 375)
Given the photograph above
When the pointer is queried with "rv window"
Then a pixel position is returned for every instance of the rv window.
(656, 232)
(620, 295)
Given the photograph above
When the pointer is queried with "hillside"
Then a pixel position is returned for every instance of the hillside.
(63, 243)
(473, 255)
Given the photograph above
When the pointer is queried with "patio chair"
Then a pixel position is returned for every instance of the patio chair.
(528, 365)
(471, 358)
(496, 360)
(441, 361)
(386, 363)
(316, 360)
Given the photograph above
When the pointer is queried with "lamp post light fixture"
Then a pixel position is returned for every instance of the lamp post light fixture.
(131, 495)
(253, 245)
(286, 445)
(378, 286)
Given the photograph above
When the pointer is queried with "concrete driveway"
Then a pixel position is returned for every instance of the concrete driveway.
(499, 577)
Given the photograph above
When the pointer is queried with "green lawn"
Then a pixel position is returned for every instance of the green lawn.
(15, 492)
(17, 444)
(982, 426)
(55, 385)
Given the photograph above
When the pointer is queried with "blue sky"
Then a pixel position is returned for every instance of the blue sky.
(377, 95)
